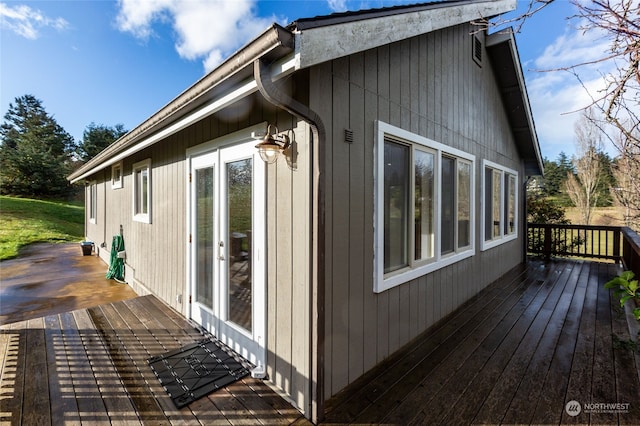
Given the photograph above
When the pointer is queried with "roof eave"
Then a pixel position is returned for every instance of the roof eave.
(335, 37)
(503, 53)
(195, 96)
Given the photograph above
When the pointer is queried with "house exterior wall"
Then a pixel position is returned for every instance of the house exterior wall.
(431, 86)
(156, 259)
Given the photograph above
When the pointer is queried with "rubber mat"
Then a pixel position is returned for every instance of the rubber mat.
(196, 370)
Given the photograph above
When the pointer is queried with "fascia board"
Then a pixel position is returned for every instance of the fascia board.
(279, 70)
(506, 36)
(325, 43)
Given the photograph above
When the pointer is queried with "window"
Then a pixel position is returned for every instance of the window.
(93, 202)
(500, 216)
(424, 199)
(116, 176)
(142, 191)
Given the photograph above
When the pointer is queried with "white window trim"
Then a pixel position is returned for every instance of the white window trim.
(382, 281)
(117, 184)
(142, 217)
(503, 238)
(93, 202)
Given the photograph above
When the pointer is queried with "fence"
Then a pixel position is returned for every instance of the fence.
(617, 243)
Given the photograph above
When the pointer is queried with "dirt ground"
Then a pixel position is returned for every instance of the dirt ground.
(54, 278)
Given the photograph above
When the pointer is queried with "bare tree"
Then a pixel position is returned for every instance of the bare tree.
(618, 99)
(626, 192)
(582, 187)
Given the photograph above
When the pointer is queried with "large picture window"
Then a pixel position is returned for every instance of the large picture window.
(142, 191)
(500, 203)
(424, 206)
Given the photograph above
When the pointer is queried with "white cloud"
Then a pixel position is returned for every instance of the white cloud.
(208, 30)
(557, 97)
(337, 5)
(28, 22)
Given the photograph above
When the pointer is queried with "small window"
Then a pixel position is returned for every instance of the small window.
(93, 202)
(142, 191)
(424, 199)
(116, 176)
(500, 217)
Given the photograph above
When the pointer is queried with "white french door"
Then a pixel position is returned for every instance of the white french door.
(226, 253)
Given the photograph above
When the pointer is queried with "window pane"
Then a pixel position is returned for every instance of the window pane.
(510, 220)
(396, 205)
(464, 204)
(93, 200)
(138, 191)
(204, 223)
(144, 174)
(497, 196)
(488, 204)
(141, 182)
(240, 224)
(424, 232)
(447, 238)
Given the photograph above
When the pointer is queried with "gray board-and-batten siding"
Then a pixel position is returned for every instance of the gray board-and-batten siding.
(429, 85)
(156, 253)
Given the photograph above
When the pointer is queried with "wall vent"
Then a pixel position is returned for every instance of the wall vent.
(348, 135)
(477, 50)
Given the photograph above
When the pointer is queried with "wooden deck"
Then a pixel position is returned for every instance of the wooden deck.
(543, 335)
(90, 366)
(540, 337)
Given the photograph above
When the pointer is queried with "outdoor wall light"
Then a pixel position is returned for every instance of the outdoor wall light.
(272, 145)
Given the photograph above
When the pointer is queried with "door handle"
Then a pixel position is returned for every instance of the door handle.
(221, 250)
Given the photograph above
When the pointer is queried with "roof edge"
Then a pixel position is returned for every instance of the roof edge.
(273, 37)
(333, 37)
(507, 37)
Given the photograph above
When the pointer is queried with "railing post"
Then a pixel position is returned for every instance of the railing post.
(547, 242)
(616, 245)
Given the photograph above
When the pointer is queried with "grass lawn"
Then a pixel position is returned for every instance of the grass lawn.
(24, 221)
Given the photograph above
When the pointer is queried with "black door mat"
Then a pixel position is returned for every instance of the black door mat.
(196, 370)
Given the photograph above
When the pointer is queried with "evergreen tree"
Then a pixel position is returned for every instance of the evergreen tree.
(96, 138)
(555, 176)
(35, 151)
(607, 181)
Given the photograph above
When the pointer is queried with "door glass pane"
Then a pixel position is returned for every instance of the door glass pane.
(239, 219)
(464, 204)
(447, 238)
(396, 205)
(424, 181)
(204, 236)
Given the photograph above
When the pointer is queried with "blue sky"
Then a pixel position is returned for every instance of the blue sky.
(114, 62)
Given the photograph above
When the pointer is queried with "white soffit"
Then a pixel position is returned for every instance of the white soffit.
(325, 43)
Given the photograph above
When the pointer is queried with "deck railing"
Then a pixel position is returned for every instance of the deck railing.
(617, 243)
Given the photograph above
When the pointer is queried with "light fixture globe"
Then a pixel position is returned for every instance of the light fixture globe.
(271, 146)
(269, 150)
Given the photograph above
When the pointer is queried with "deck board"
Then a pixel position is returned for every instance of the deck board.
(90, 366)
(60, 387)
(515, 353)
(395, 372)
(507, 319)
(535, 341)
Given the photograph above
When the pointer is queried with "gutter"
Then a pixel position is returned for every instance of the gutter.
(274, 37)
(276, 97)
